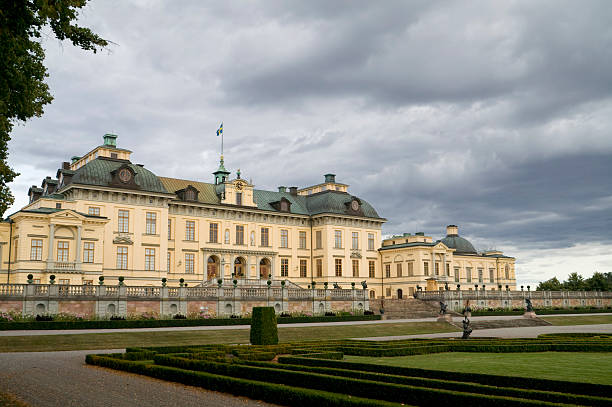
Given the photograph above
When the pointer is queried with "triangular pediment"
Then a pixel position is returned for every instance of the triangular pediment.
(441, 246)
(66, 214)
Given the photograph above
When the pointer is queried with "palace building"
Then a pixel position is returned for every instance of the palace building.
(104, 216)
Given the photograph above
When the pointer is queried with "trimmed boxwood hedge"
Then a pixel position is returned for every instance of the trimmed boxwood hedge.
(541, 311)
(164, 323)
(259, 390)
(263, 326)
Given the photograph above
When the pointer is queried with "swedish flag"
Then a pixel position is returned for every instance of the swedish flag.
(220, 130)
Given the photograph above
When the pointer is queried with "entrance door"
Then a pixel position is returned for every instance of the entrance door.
(400, 293)
(212, 268)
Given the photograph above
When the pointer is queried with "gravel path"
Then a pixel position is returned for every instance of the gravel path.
(62, 379)
(280, 326)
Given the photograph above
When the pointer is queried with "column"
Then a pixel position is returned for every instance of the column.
(77, 259)
(444, 265)
(51, 236)
(257, 268)
(433, 264)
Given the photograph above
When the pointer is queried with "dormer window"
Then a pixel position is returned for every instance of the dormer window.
(238, 198)
(284, 206)
(189, 195)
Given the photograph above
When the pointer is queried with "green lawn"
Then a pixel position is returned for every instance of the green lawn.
(120, 340)
(578, 320)
(576, 367)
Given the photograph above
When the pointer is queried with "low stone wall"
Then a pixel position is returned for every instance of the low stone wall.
(105, 301)
(457, 300)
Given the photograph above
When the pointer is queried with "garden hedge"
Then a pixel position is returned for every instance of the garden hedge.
(263, 326)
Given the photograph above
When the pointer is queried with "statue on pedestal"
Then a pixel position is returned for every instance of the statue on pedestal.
(528, 305)
(443, 308)
(467, 330)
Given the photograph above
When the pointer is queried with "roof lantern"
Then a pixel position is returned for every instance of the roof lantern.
(110, 140)
(330, 178)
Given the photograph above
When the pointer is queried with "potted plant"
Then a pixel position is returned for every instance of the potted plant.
(269, 283)
(30, 278)
(219, 282)
(101, 280)
(314, 283)
(325, 285)
(164, 280)
(52, 279)
(235, 283)
(353, 285)
(181, 281)
(121, 278)
(283, 283)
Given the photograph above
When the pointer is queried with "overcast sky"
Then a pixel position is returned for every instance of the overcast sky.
(495, 116)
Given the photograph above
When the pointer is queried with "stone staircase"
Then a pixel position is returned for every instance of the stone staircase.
(407, 308)
(503, 323)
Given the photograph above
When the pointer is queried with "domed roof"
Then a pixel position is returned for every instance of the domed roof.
(98, 172)
(461, 245)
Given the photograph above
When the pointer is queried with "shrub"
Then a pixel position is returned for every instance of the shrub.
(44, 318)
(179, 316)
(368, 312)
(263, 326)
(117, 318)
(330, 314)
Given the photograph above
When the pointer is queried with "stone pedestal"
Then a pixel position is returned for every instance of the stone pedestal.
(383, 317)
(445, 318)
(529, 314)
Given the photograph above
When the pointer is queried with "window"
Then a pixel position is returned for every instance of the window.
(238, 198)
(169, 229)
(491, 275)
(88, 252)
(124, 221)
(480, 275)
(189, 263)
(319, 240)
(303, 268)
(284, 238)
(447, 269)
(149, 259)
(388, 292)
(319, 268)
(94, 210)
(355, 240)
(239, 234)
(151, 223)
(62, 251)
(437, 268)
(456, 274)
(372, 294)
(63, 281)
(338, 239)
(426, 268)
(36, 250)
(355, 268)
(122, 257)
(227, 236)
(410, 269)
(58, 206)
(265, 237)
(190, 195)
(338, 267)
(398, 268)
(372, 269)
(507, 272)
(169, 256)
(213, 232)
(284, 267)
(468, 274)
(302, 240)
(190, 230)
(370, 241)
(387, 270)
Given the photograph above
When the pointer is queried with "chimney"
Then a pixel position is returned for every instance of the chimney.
(330, 178)
(282, 189)
(452, 230)
(293, 190)
(419, 234)
(74, 159)
(110, 140)
(65, 165)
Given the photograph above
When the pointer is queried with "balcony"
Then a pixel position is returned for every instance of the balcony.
(63, 267)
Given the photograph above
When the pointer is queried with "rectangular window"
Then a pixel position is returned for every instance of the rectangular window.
(302, 240)
(355, 240)
(370, 241)
(239, 234)
(265, 237)
(338, 267)
(169, 259)
(456, 270)
(62, 251)
(169, 229)
(319, 268)
(388, 292)
(491, 275)
(36, 250)
(284, 238)
(151, 223)
(93, 210)
(337, 239)
(447, 269)
(398, 268)
(303, 268)
(213, 233)
(468, 274)
(122, 257)
(372, 269)
(410, 269)
(426, 268)
(319, 239)
(124, 221)
(88, 252)
(355, 268)
(238, 198)
(480, 275)
(189, 263)
(387, 270)
(437, 268)
(190, 230)
(284, 267)
(63, 281)
(149, 259)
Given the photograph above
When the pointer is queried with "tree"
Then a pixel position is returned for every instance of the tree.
(23, 91)
(597, 282)
(574, 282)
(550, 285)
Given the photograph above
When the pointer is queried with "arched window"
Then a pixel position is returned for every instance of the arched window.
(227, 236)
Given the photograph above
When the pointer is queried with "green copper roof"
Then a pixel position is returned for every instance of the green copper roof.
(461, 245)
(98, 172)
(54, 210)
